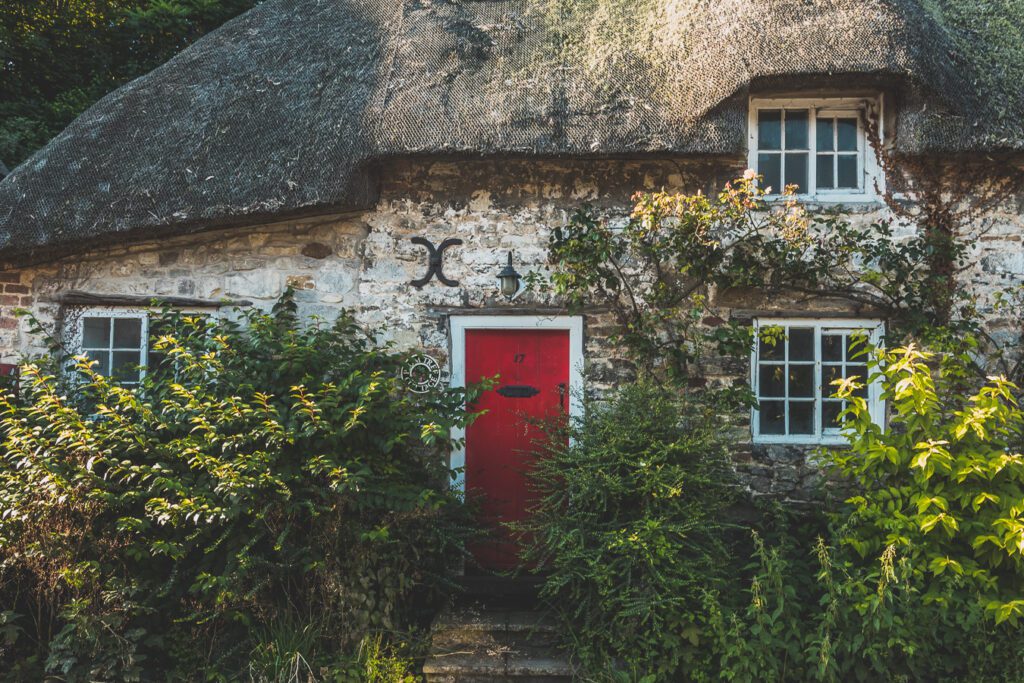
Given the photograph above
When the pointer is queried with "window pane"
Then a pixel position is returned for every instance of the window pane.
(846, 135)
(831, 347)
(801, 343)
(824, 172)
(772, 380)
(830, 414)
(126, 365)
(801, 381)
(829, 374)
(847, 171)
(127, 333)
(796, 171)
(769, 129)
(824, 136)
(769, 351)
(859, 370)
(796, 129)
(770, 168)
(772, 417)
(96, 333)
(801, 417)
(103, 358)
(856, 346)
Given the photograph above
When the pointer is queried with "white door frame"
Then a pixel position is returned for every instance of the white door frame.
(458, 324)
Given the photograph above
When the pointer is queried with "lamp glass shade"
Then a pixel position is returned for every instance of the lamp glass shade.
(509, 285)
(509, 279)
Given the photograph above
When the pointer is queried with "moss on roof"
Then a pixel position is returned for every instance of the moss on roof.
(988, 38)
(287, 109)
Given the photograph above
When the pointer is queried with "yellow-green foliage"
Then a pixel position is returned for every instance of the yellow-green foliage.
(260, 505)
(943, 484)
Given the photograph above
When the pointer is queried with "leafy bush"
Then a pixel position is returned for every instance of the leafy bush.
(629, 529)
(940, 490)
(917, 576)
(265, 473)
(810, 618)
(922, 581)
(944, 483)
(765, 640)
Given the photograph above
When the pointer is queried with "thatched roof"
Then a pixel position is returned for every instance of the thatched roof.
(286, 109)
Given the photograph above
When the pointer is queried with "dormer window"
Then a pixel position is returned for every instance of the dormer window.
(820, 146)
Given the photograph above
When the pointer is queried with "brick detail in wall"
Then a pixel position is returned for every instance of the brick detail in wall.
(13, 294)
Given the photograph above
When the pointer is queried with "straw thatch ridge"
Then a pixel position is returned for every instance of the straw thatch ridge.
(285, 110)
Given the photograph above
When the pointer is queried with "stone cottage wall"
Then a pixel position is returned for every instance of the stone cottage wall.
(364, 262)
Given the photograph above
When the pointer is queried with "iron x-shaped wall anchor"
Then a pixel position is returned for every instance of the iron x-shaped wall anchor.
(435, 262)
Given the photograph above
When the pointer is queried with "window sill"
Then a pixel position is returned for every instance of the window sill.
(856, 201)
(800, 441)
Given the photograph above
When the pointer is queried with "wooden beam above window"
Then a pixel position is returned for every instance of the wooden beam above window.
(76, 297)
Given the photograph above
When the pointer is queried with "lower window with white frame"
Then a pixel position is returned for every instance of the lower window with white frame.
(117, 340)
(793, 366)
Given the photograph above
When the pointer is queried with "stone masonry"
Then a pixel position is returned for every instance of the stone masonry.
(365, 261)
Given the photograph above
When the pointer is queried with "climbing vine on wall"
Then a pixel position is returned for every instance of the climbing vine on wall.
(665, 270)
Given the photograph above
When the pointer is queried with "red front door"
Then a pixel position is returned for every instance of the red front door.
(533, 370)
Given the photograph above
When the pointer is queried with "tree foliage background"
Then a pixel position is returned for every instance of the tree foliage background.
(58, 57)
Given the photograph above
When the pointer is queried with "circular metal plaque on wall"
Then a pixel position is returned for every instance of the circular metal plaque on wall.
(421, 373)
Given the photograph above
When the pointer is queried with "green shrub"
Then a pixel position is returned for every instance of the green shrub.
(265, 472)
(915, 578)
(382, 663)
(938, 494)
(813, 617)
(943, 483)
(292, 652)
(629, 530)
(765, 640)
(922, 580)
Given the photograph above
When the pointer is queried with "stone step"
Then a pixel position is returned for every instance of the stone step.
(474, 643)
(469, 669)
(479, 618)
(505, 592)
(493, 644)
(498, 667)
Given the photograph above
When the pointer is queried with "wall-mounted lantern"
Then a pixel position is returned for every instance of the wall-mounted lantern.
(509, 279)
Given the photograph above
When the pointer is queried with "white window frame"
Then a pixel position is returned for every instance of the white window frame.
(871, 178)
(78, 334)
(876, 407)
